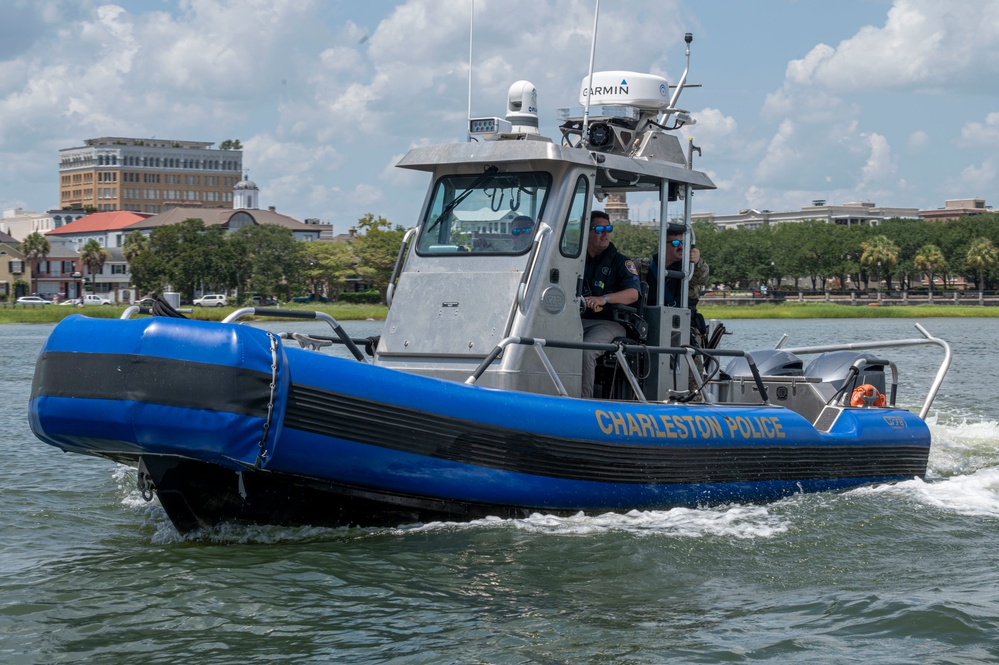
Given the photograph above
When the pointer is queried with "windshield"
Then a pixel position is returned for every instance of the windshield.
(491, 213)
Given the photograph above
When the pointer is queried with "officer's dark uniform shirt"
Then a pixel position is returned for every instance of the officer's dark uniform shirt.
(608, 272)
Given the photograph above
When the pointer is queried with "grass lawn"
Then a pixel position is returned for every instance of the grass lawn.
(56, 313)
(785, 310)
(807, 310)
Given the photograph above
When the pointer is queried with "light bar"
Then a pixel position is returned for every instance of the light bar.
(489, 127)
(599, 112)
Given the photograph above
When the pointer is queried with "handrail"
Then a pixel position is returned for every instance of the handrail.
(891, 344)
(527, 286)
(397, 268)
(618, 350)
(299, 314)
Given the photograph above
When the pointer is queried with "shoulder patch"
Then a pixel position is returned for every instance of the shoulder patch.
(630, 265)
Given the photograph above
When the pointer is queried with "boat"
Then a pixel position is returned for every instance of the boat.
(468, 403)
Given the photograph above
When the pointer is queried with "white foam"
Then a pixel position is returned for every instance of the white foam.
(975, 494)
(728, 521)
(963, 447)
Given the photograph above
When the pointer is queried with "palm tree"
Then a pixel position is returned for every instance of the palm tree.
(94, 257)
(135, 243)
(35, 246)
(929, 259)
(982, 255)
(882, 252)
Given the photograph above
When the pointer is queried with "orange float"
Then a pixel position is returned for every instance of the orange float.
(866, 395)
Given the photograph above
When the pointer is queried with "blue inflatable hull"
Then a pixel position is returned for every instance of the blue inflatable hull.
(226, 423)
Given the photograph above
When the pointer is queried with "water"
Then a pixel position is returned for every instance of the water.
(90, 573)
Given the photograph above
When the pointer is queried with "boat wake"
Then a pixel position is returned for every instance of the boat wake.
(963, 446)
(973, 495)
(963, 473)
(734, 521)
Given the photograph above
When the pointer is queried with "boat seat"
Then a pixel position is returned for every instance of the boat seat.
(633, 318)
(608, 382)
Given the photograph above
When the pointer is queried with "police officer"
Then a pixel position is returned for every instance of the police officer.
(609, 278)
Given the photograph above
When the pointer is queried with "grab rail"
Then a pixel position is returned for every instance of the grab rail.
(397, 268)
(528, 285)
(299, 314)
(619, 350)
(891, 344)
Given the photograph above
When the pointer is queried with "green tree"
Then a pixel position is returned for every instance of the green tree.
(822, 252)
(636, 242)
(909, 235)
(35, 247)
(737, 257)
(790, 259)
(327, 266)
(265, 258)
(202, 260)
(185, 256)
(377, 249)
(982, 255)
(929, 259)
(93, 256)
(135, 243)
(881, 254)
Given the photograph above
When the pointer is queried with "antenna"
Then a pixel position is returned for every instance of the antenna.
(589, 80)
(688, 37)
(471, 29)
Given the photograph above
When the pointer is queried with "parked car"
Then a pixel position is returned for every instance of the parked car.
(69, 301)
(32, 300)
(263, 301)
(94, 299)
(211, 300)
(145, 302)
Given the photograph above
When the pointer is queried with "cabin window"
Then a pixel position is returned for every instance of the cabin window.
(575, 225)
(489, 213)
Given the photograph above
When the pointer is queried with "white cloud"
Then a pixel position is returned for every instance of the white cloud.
(823, 139)
(782, 153)
(975, 181)
(923, 45)
(981, 134)
(880, 166)
(918, 141)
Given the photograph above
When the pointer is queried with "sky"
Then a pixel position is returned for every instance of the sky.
(886, 101)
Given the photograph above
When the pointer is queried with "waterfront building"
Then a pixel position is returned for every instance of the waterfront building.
(847, 214)
(245, 211)
(57, 274)
(21, 223)
(109, 230)
(229, 220)
(955, 208)
(147, 175)
(12, 267)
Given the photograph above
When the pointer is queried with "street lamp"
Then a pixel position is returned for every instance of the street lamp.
(879, 280)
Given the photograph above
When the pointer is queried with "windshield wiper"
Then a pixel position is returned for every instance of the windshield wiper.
(490, 170)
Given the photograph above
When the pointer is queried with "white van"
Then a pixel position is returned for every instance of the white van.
(211, 300)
